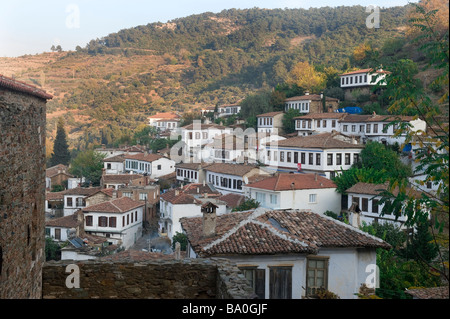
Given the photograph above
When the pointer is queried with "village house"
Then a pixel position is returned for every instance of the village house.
(54, 204)
(152, 165)
(114, 164)
(311, 103)
(361, 82)
(229, 178)
(115, 181)
(364, 205)
(271, 122)
(191, 172)
(286, 253)
(60, 229)
(326, 154)
(164, 121)
(232, 200)
(227, 148)
(75, 198)
(196, 135)
(314, 123)
(228, 110)
(126, 150)
(56, 175)
(296, 191)
(119, 220)
(149, 194)
(183, 202)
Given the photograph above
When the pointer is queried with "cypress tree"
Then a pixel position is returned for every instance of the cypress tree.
(61, 154)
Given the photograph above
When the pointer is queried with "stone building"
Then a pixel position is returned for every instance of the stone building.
(22, 188)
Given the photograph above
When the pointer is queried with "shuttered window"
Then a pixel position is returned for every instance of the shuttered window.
(316, 275)
(280, 282)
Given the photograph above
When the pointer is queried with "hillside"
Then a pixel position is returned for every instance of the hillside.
(109, 87)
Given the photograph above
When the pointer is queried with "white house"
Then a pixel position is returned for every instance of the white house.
(326, 154)
(363, 78)
(287, 254)
(367, 198)
(152, 165)
(271, 122)
(75, 198)
(114, 164)
(311, 103)
(118, 220)
(62, 228)
(296, 191)
(228, 110)
(184, 202)
(129, 150)
(191, 172)
(164, 121)
(229, 178)
(314, 123)
(227, 148)
(196, 135)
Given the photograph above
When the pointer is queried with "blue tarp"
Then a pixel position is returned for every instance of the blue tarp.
(407, 148)
(350, 110)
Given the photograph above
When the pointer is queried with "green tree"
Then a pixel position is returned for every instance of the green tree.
(88, 164)
(52, 249)
(61, 154)
(288, 120)
(250, 203)
(180, 238)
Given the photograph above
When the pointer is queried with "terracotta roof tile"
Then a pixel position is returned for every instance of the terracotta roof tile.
(312, 97)
(120, 178)
(117, 158)
(270, 114)
(322, 141)
(274, 232)
(119, 205)
(165, 115)
(69, 221)
(232, 200)
(203, 126)
(296, 181)
(429, 293)
(145, 157)
(231, 169)
(57, 169)
(23, 87)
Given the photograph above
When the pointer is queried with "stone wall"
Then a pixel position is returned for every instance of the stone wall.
(22, 193)
(157, 279)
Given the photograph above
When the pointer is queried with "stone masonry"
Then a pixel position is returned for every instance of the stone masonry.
(214, 278)
(22, 188)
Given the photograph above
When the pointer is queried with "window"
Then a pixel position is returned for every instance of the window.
(375, 206)
(281, 156)
(302, 158)
(280, 283)
(385, 128)
(135, 216)
(355, 158)
(338, 159)
(69, 202)
(143, 196)
(112, 222)
(261, 198)
(197, 135)
(329, 159)
(58, 233)
(316, 275)
(289, 157)
(275, 157)
(324, 123)
(159, 167)
(103, 221)
(345, 128)
(108, 165)
(365, 204)
(333, 123)
(361, 128)
(317, 159)
(317, 123)
(81, 202)
(347, 158)
(205, 135)
(295, 157)
(353, 128)
(239, 184)
(273, 199)
(368, 128)
(89, 221)
(257, 279)
(311, 158)
(127, 194)
(312, 198)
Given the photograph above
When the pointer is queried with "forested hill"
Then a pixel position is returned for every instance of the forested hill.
(111, 85)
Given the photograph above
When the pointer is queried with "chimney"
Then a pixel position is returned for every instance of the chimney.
(114, 194)
(198, 190)
(315, 177)
(177, 192)
(177, 251)
(209, 219)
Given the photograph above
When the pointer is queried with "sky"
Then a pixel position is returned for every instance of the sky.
(32, 27)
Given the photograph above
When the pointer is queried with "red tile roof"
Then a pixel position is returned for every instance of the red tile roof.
(70, 221)
(23, 87)
(120, 178)
(262, 232)
(232, 200)
(57, 169)
(322, 141)
(200, 126)
(296, 181)
(145, 157)
(119, 205)
(318, 116)
(177, 198)
(312, 97)
(269, 114)
(165, 115)
(363, 71)
(231, 169)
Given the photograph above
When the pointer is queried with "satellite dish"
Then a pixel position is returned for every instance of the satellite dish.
(245, 179)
